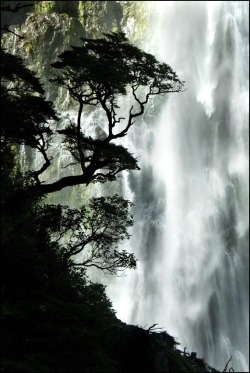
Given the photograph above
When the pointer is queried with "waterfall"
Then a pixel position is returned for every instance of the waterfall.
(191, 195)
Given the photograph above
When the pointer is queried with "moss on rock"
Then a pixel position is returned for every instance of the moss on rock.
(135, 20)
(45, 7)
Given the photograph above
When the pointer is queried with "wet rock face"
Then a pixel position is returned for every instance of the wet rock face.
(44, 37)
(68, 7)
(47, 28)
(115, 13)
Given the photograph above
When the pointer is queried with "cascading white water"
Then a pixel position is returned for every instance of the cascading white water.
(191, 196)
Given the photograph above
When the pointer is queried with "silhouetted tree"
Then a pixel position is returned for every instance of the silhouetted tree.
(92, 233)
(97, 74)
(94, 230)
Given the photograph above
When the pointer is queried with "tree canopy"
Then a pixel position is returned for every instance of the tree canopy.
(92, 233)
(97, 74)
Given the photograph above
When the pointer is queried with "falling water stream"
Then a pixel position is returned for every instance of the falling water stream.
(191, 194)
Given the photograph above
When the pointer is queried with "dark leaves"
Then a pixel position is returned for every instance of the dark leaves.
(108, 65)
(93, 233)
(13, 70)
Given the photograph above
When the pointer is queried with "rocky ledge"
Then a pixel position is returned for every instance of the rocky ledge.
(148, 350)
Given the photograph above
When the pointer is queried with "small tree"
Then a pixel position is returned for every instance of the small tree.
(92, 233)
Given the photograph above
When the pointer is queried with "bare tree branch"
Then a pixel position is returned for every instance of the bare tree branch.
(225, 369)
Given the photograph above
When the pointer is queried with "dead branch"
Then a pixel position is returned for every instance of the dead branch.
(151, 327)
(225, 369)
(185, 353)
